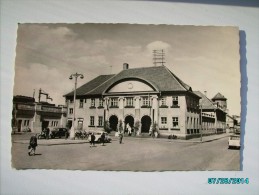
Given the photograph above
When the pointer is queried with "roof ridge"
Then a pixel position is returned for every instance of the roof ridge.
(104, 81)
(207, 98)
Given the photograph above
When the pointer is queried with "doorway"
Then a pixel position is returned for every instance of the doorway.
(145, 124)
(113, 120)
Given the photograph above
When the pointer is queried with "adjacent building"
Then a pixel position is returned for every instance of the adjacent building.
(137, 97)
(213, 112)
(28, 115)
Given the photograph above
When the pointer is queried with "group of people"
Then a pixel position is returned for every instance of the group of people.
(92, 139)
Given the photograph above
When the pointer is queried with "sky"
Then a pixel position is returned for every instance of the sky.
(205, 57)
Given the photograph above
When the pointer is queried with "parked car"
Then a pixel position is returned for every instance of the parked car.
(59, 132)
(98, 134)
(234, 141)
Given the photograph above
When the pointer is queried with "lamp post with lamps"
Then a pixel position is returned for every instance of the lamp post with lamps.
(72, 130)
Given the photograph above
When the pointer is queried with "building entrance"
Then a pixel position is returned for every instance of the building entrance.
(129, 119)
(19, 125)
(113, 120)
(44, 125)
(145, 124)
(69, 124)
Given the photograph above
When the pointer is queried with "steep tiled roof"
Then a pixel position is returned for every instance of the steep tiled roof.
(219, 96)
(205, 102)
(160, 77)
(84, 89)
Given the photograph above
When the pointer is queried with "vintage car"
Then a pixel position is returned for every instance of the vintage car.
(58, 132)
(98, 134)
(234, 141)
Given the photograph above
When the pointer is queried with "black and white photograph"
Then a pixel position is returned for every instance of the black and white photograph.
(126, 97)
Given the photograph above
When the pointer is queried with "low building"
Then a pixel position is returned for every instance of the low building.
(139, 97)
(213, 114)
(29, 115)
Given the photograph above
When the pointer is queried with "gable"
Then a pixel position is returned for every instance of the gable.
(130, 86)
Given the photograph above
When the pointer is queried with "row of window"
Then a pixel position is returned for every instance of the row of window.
(146, 101)
(54, 123)
(192, 122)
(26, 123)
(174, 119)
(100, 121)
(193, 131)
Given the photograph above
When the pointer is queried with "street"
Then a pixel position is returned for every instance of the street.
(134, 154)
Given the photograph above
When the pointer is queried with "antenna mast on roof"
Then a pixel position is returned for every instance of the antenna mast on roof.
(158, 57)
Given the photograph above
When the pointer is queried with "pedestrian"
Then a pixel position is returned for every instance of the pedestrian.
(92, 142)
(32, 145)
(120, 137)
(153, 133)
(47, 133)
(128, 129)
(103, 138)
(150, 131)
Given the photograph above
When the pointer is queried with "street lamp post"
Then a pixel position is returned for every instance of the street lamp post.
(72, 130)
(201, 122)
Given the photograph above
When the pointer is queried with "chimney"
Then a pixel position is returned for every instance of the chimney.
(205, 92)
(125, 66)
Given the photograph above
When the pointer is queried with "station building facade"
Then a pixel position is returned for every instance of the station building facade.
(143, 96)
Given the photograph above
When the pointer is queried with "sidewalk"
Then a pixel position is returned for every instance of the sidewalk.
(61, 141)
(208, 138)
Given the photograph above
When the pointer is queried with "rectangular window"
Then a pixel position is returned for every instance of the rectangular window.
(70, 110)
(129, 101)
(163, 101)
(175, 101)
(114, 102)
(81, 103)
(91, 120)
(175, 122)
(80, 125)
(163, 120)
(92, 102)
(100, 121)
(100, 102)
(146, 101)
(26, 123)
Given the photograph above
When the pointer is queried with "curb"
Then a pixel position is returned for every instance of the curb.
(115, 139)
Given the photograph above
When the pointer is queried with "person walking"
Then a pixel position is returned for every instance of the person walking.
(32, 145)
(47, 133)
(92, 142)
(120, 137)
(103, 138)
